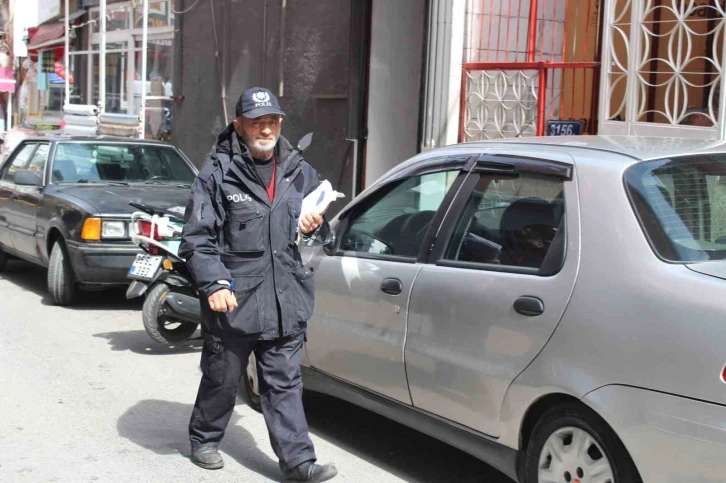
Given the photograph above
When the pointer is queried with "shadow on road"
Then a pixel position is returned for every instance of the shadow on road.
(408, 454)
(139, 342)
(33, 278)
(161, 426)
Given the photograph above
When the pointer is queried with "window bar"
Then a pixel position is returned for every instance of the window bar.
(532, 30)
(563, 54)
(144, 55)
(481, 26)
(67, 60)
(541, 99)
(506, 40)
(499, 31)
(102, 62)
(470, 57)
(516, 34)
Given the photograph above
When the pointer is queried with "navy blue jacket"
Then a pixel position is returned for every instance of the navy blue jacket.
(232, 230)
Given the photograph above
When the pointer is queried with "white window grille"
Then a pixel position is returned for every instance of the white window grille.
(662, 68)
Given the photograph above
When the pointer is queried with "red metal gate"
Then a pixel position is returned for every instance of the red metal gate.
(530, 64)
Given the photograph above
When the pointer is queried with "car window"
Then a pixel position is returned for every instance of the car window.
(130, 163)
(509, 221)
(19, 161)
(37, 162)
(395, 223)
(681, 203)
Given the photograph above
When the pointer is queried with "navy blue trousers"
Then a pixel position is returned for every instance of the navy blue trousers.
(278, 368)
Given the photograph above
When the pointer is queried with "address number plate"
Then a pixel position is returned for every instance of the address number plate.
(564, 128)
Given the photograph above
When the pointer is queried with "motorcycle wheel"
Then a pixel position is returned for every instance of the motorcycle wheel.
(159, 326)
(249, 387)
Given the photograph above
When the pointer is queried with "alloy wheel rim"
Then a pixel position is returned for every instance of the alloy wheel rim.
(572, 455)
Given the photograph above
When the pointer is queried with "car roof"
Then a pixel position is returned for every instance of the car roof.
(640, 148)
(85, 139)
(568, 149)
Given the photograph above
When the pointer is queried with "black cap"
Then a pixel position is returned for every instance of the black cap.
(256, 102)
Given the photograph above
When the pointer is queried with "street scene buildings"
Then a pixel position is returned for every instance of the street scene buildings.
(529, 210)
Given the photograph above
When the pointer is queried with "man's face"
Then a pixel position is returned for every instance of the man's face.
(260, 134)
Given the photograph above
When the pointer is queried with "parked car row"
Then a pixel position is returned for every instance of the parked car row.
(550, 305)
(65, 205)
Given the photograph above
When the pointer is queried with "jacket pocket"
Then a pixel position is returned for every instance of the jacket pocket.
(237, 260)
(243, 230)
(294, 208)
(304, 286)
(247, 317)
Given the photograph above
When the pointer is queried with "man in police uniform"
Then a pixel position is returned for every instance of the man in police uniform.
(240, 242)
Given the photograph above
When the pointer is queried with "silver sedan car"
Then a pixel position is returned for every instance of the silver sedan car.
(554, 306)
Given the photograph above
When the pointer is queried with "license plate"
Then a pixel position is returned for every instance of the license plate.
(145, 266)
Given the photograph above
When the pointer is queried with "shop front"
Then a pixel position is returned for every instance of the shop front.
(123, 65)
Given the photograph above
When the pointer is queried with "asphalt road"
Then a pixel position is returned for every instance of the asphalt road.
(86, 396)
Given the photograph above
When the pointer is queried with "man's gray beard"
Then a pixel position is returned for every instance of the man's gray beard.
(255, 147)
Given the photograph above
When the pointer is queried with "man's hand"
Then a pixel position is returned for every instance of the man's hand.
(222, 300)
(310, 222)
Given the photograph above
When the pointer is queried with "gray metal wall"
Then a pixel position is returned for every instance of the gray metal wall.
(313, 74)
(394, 105)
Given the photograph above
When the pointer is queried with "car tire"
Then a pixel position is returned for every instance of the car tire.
(61, 280)
(155, 321)
(562, 430)
(249, 387)
(3, 260)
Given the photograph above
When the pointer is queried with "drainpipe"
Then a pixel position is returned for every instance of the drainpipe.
(144, 54)
(68, 55)
(102, 61)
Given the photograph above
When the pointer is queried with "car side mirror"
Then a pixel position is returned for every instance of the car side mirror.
(324, 237)
(27, 177)
(305, 142)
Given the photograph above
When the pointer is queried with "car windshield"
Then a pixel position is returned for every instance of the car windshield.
(119, 162)
(681, 203)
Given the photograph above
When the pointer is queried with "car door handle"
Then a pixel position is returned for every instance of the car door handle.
(392, 286)
(529, 306)
(15, 196)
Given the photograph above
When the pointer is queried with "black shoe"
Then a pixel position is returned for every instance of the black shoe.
(207, 456)
(310, 473)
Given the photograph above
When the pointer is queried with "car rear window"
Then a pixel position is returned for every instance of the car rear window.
(130, 163)
(681, 204)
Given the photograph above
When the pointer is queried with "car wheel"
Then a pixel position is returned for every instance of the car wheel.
(3, 260)
(61, 280)
(158, 325)
(571, 443)
(249, 387)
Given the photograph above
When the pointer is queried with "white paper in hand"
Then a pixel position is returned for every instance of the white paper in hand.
(319, 200)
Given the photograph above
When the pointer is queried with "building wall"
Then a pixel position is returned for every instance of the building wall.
(394, 102)
(311, 78)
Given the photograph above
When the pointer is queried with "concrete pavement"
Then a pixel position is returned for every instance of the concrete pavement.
(87, 396)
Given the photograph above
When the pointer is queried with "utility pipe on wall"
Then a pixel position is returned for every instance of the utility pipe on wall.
(102, 61)
(144, 54)
(67, 56)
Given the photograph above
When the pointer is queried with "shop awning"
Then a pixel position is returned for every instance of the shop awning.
(7, 80)
(47, 35)
(77, 14)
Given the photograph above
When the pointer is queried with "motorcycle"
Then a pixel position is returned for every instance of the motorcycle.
(171, 310)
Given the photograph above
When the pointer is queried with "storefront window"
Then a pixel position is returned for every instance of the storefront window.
(159, 75)
(116, 77)
(160, 14)
(79, 71)
(124, 81)
(118, 18)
